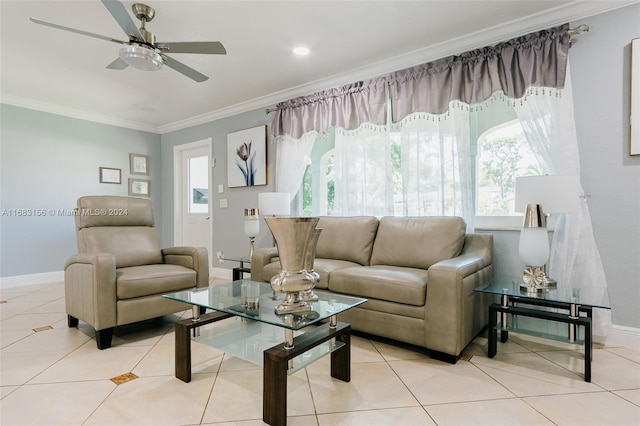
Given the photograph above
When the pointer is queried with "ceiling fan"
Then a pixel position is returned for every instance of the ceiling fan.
(142, 51)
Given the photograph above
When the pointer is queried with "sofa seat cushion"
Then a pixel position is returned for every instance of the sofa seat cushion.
(324, 267)
(390, 283)
(137, 281)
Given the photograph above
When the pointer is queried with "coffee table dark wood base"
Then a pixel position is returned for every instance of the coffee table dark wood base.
(274, 393)
(274, 390)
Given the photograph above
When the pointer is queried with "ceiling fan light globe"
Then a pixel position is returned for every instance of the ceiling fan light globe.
(141, 58)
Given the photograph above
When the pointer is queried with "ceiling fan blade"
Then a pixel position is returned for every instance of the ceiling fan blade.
(118, 64)
(73, 30)
(183, 69)
(206, 47)
(122, 17)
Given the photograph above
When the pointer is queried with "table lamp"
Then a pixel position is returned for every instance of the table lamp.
(251, 227)
(274, 203)
(538, 196)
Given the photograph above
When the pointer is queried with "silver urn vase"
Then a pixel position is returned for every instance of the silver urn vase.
(309, 260)
(293, 236)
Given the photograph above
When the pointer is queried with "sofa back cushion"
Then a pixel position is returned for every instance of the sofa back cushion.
(417, 242)
(347, 238)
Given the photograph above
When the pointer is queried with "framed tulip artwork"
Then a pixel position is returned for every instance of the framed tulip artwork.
(247, 157)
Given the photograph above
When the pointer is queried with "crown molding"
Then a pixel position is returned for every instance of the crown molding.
(76, 113)
(561, 14)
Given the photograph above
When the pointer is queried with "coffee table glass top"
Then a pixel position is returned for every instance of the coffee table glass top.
(596, 297)
(227, 298)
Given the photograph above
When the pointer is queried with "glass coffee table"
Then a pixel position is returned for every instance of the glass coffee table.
(255, 333)
(573, 309)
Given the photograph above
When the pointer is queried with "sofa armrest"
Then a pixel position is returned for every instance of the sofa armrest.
(90, 289)
(476, 254)
(454, 312)
(196, 258)
(262, 257)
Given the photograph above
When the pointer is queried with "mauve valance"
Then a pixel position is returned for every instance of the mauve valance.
(536, 59)
(347, 107)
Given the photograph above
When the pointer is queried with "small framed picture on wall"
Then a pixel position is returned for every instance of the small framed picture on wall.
(139, 164)
(140, 187)
(110, 175)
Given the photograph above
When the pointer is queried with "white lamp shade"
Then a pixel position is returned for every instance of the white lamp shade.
(274, 203)
(141, 57)
(555, 193)
(534, 246)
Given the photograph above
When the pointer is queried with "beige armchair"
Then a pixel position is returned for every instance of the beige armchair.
(120, 272)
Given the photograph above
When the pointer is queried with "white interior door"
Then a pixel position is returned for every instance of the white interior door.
(192, 182)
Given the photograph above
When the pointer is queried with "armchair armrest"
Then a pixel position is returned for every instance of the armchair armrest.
(262, 257)
(454, 311)
(196, 258)
(90, 289)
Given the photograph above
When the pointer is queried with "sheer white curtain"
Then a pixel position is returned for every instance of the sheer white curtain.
(363, 182)
(292, 158)
(436, 169)
(548, 123)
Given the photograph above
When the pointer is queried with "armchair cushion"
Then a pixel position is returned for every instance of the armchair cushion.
(131, 245)
(122, 226)
(146, 280)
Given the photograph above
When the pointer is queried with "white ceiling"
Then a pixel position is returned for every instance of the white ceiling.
(62, 72)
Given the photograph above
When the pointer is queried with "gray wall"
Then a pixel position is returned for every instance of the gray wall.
(600, 68)
(47, 162)
(228, 223)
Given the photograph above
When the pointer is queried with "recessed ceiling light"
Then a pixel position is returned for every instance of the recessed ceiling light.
(301, 51)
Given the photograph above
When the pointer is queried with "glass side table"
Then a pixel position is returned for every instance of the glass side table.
(573, 307)
(238, 271)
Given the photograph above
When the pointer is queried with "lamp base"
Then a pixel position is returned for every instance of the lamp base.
(533, 289)
(251, 247)
(533, 279)
(550, 282)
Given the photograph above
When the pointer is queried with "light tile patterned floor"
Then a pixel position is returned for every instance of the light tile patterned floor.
(54, 375)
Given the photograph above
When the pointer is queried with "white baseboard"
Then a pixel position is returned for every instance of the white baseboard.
(31, 279)
(620, 335)
(226, 274)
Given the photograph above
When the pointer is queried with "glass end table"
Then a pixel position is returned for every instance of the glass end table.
(257, 334)
(238, 271)
(573, 307)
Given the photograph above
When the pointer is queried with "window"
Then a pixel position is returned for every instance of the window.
(503, 155)
(498, 154)
(322, 186)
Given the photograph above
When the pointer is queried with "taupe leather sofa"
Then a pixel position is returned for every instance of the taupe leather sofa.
(120, 273)
(417, 272)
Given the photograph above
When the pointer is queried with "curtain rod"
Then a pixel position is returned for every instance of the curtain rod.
(580, 29)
